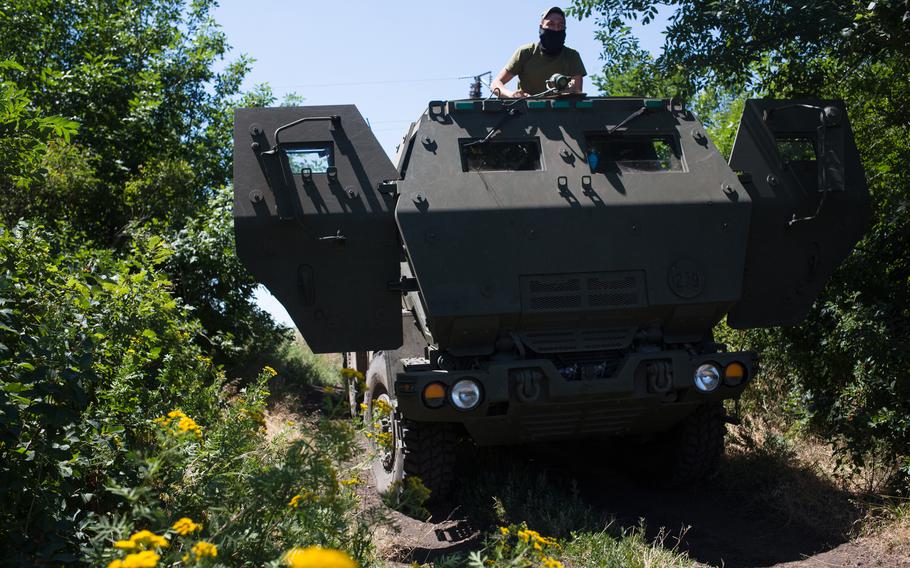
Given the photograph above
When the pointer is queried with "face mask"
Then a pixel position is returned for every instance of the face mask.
(551, 41)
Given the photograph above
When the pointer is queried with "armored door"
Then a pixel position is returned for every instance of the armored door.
(313, 225)
(810, 205)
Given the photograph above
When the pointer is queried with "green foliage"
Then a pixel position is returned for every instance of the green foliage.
(91, 345)
(153, 151)
(25, 139)
(843, 373)
(253, 498)
(95, 351)
(408, 497)
(630, 548)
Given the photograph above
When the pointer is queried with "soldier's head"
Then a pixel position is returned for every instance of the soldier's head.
(552, 30)
(553, 19)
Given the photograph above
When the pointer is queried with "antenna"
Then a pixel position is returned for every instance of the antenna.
(474, 92)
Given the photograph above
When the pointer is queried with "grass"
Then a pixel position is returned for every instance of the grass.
(505, 491)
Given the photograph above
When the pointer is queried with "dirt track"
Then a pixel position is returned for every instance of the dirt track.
(717, 527)
(723, 523)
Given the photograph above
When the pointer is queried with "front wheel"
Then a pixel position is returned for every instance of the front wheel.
(405, 448)
(697, 445)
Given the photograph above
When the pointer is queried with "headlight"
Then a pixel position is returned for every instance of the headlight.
(707, 377)
(465, 395)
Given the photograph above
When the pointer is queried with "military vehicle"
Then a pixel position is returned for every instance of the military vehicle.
(546, 268)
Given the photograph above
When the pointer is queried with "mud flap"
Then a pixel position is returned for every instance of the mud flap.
(810, 205)
(313, 226)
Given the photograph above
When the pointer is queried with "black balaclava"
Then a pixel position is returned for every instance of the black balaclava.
(552, 41)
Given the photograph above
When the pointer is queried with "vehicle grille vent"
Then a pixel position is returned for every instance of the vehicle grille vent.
(592, 291)
(564, 341)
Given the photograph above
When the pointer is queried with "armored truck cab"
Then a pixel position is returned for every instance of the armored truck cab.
(545, 268)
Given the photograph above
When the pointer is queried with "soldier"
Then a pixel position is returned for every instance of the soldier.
(534, 63)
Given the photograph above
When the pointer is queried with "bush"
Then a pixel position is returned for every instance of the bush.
(104, 384)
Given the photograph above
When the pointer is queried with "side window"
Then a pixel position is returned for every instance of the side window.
(797, 153)
(499, 155)
(629, 153)
(796, 149)
(317, 158)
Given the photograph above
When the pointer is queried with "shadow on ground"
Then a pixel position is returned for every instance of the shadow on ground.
(759, 511)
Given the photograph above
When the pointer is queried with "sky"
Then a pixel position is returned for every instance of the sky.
(390, 58)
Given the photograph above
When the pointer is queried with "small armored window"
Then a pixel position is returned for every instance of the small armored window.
(499, 155)
(317, 158)
(796, 149)
(627, 153)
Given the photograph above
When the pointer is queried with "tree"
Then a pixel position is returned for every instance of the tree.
(153, 149)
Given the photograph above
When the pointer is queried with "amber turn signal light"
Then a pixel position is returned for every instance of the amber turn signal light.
(434, 395)
(734, 373)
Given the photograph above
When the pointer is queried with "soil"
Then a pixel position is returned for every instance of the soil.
(714, 527)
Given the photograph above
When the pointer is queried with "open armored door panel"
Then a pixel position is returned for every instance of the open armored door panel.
(810, 205)
(312, 224)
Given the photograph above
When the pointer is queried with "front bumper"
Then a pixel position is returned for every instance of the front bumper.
(528, 400)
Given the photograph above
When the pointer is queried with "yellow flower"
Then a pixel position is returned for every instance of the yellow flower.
(303, 496)
(363, 406)
(350, 481)
(204, 549)
(186, 526)
(116, 564)
(504, 531)
(382, 406)
(349, 373)
(270, 371)
(189, 425)
(316, 557)
(144, 559)
(145, 539)
(125, 545)
(548, 562)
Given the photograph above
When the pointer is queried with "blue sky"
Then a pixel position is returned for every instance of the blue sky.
(390, 58)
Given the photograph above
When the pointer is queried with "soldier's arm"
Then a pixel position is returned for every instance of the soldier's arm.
(575, 85)
(499, 84)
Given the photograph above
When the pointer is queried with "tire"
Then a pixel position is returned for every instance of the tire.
(420, 449)
(697, 445)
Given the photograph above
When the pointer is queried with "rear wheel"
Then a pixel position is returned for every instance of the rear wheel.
(405, 448)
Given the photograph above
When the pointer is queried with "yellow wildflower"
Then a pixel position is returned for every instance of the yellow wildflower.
(548, 562)
(144, 539)
(363, 407)
(186, 526)
(144, 559)
(270, 371)
(125, 545)
(382, 406)
(116, 564)
(349, 373)
(302, 496)
(504, 531)
(350, 481)
(316, 557)
(187, 424)
(204, 549)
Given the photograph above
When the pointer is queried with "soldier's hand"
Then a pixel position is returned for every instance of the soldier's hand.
(519, 94)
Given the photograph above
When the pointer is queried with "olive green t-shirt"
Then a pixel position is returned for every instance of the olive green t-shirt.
(534, 67)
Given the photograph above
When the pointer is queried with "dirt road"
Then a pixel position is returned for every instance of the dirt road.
(717, 524)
